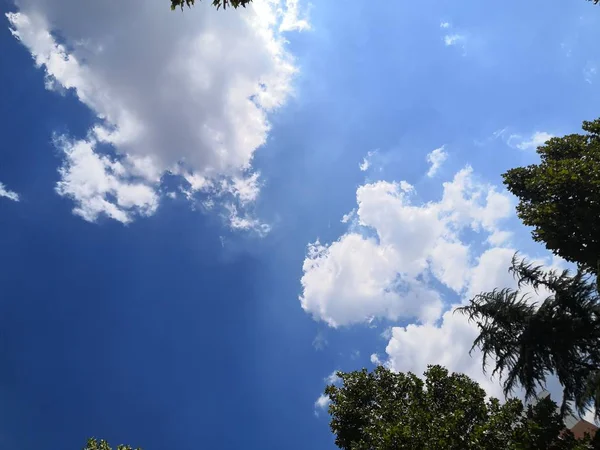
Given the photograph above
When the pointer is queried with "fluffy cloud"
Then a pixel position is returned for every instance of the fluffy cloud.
(448, 342)
(100, 185)
(382, 269)
(436, 158)
(413, 347)
(187, 93)
(531, 142)
(397, 253)
(4, 192)
(321, 404)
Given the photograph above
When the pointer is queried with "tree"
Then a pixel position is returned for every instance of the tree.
(560, 196)
(94, 444)
(382, 410)
(217, 3)
(528, 341)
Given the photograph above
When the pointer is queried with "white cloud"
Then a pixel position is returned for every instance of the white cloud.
(367, 161)
(529, 143)
(383, 271)
(4, 192)
(413, 347)
(346, 218)
(391, 269)
(292, 20)
(364, 165)
(590, 71)
(100, 185)
(185, 92)
(320, 341)
(375, 359)
(333, 378)
(448, 343)
(245, 221)
(436, 158)
(454, 39)
(445, 25)
(321, 404)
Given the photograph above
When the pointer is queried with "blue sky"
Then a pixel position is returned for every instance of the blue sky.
(174, 269)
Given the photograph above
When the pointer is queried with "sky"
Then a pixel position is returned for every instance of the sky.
(204, 214)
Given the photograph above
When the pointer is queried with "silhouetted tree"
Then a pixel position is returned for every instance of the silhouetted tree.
(217, 3)
(559, 336)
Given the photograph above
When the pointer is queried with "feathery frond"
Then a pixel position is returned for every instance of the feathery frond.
(559, 336)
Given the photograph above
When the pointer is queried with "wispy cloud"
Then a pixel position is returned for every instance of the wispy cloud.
(531, 142)
(590, 71)
(436, 158)
(11, 195)
(321, 404)
(320, 341)
(333, 378)
(367, 161)
(454, 39)
(293, 19)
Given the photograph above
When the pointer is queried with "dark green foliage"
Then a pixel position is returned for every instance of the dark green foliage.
(382, 410)
(216, 3)
(559, 336)
(94, 444)
(560, 197)
(235, 3)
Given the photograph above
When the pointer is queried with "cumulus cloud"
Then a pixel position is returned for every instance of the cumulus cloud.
(100, 185)
(382, 271)
(393, 267)
(449, 341)
(4, 192)
(413, 347)
(436, 158)
(531, 142)
(185, 93)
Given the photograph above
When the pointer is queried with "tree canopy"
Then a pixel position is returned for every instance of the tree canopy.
(560, 196)
(383, 410)
(216, 3)
(560, 336)
(94, 444)
(235, 3)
